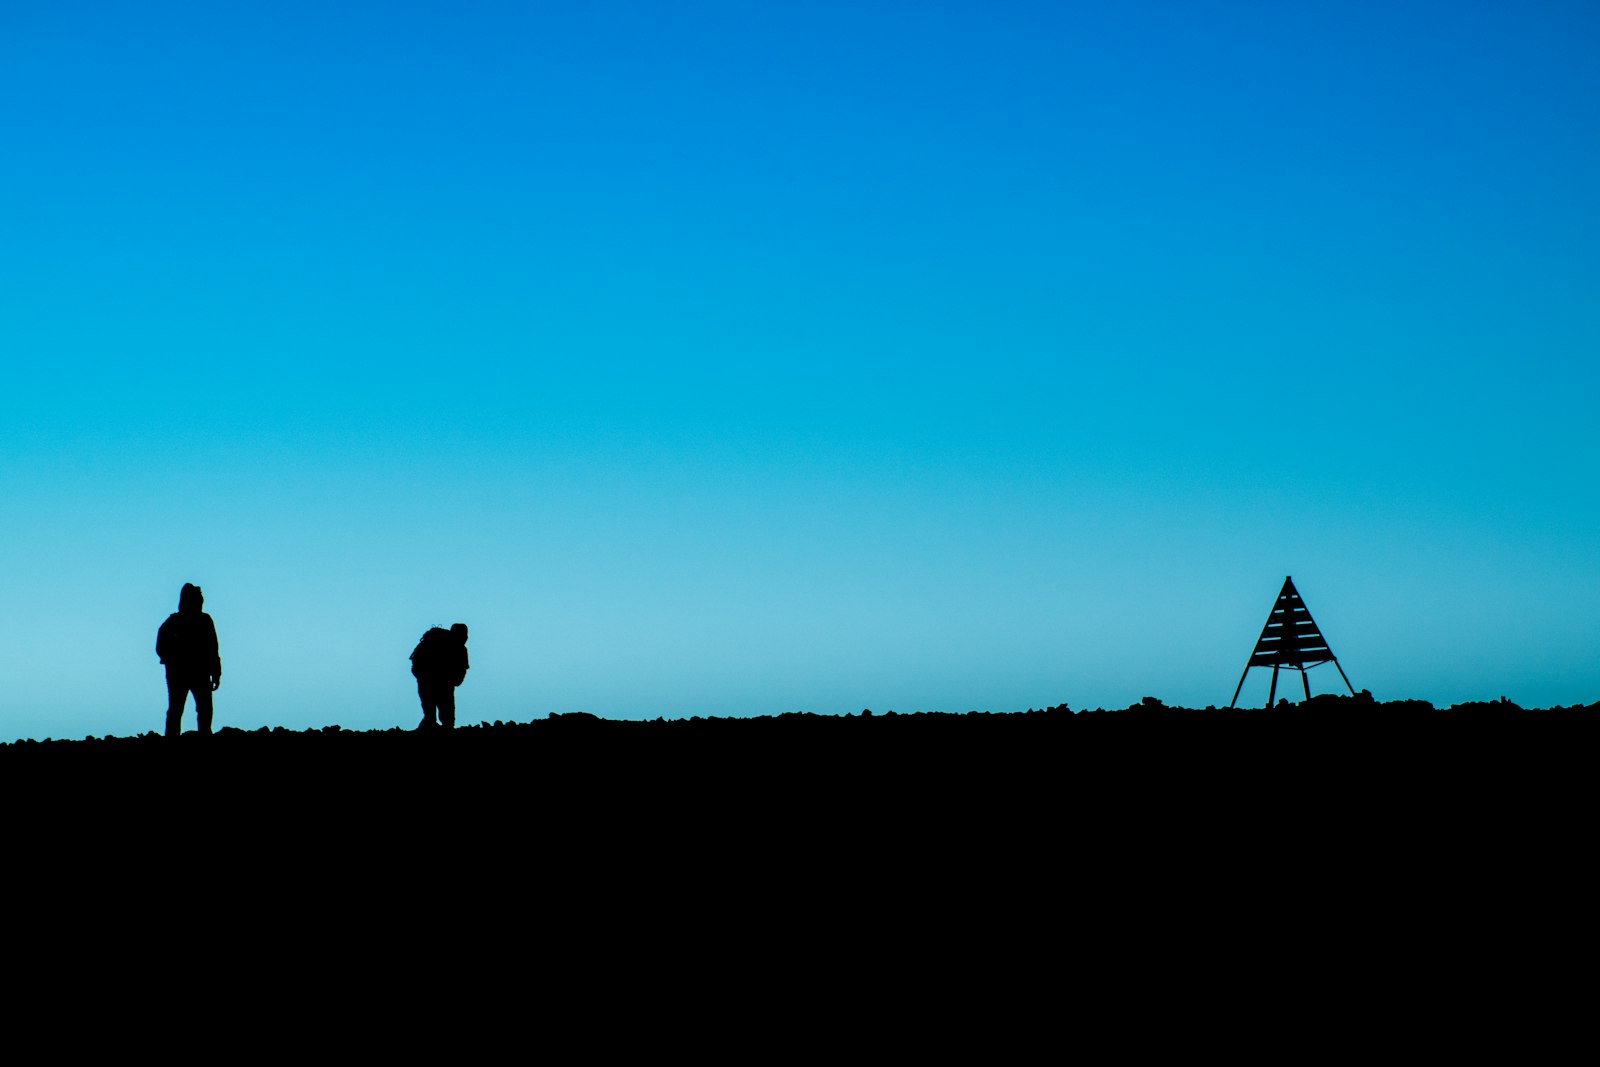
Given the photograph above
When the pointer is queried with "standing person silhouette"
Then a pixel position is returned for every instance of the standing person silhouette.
(439, 663)
(187, 644)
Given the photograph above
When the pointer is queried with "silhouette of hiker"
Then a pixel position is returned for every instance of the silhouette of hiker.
(187, 644)
(440, 664)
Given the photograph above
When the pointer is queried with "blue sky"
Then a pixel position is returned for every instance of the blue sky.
(726, 358)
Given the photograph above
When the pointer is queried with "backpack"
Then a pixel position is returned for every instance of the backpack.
(428, 656)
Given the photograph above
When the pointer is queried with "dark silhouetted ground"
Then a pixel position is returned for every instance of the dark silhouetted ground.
(1045, 858)
(1032, 782)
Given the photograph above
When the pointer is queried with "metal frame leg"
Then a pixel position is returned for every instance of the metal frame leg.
(1240, 686)
(1347, 684)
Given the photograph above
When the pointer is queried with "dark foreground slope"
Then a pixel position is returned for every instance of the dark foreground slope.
(1048, 773)
(1336, 865)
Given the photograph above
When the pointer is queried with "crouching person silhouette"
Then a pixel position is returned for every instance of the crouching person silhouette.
(440, 664)
(187, 645)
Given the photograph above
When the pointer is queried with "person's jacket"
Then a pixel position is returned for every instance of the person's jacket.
(440, 657)
(187, 644)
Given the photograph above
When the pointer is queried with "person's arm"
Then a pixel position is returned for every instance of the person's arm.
(216, 657)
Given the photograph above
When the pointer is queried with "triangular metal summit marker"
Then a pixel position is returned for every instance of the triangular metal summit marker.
(1290, 640)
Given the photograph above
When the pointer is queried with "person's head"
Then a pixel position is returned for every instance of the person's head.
(460, 632)
(190, 598)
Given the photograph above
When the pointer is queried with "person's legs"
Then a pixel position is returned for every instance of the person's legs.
(447, 706)
(177, 692)
(202, 703)
(430, 703)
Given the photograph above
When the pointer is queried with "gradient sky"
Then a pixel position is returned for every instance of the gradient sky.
(733, 358)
